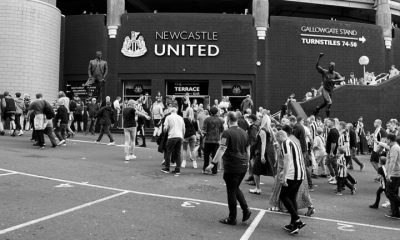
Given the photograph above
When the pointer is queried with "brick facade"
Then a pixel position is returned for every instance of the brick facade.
(30, 47)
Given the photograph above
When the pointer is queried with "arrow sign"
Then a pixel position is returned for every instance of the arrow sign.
(361, 39)
(64, 185)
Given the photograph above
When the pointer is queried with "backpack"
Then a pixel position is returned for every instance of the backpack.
(48, 111)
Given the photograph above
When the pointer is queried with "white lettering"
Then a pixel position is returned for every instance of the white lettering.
(212, 53)
(175, 50)
(156, 50)
(191, 47)
(202, 51)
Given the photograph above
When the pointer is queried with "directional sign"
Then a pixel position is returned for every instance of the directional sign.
(64, 185)
(361, 39)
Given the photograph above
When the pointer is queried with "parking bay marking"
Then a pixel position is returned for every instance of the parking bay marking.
(194, 200)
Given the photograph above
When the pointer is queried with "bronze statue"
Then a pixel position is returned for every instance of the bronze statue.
(97, 72)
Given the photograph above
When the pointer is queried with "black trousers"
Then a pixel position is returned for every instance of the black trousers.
(341, 182)
(378, 195)
(210, 149)
(392, 193)
(232, 181)
(288, 197)
(173, 148)
(18, 126)
(61, 132)
(105, 129)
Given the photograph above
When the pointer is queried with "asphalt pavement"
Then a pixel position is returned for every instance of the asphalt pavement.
(87, 191)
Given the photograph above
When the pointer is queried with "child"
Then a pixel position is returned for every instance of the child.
(320, 152)
(382, 188)
(341, 178)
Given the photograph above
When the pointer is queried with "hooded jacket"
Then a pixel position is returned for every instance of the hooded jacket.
(105, 115)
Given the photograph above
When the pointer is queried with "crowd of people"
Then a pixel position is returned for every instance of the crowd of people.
(292, 151)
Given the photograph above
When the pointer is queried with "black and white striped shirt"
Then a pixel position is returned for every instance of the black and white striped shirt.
(313, 128)
(296, 169)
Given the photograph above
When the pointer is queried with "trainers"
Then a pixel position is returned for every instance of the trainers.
(311, 189)
(173, 165)
(97, 142)
(392, 216)
(20, 133)
(194, 164)
(183, 165)
(61, 142)
(353, 191)
(386, 204)
(176, 172)
(132, 157)
(331, 179)
(333, 182)
(299, 224)
(64, 145)
(111, 144)
(246, 215)
(362, 167)
(165, 170)
(127, 158)
(255, 191)
(339, 194)
(311, 211)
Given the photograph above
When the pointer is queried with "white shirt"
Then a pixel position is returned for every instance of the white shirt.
(319, 146)
(175, 126)
(117, 105)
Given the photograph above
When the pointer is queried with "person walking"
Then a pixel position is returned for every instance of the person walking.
(157, 114)
(19, 117)
(393, 177)
(233, 153)
(332, 142)
(175, 127)
(106, 119)
(129, 115)
(212, 129)
(9, 109)
(37, 111)
(189, 142)
(61, 122)
(92, 109)
(293, 175)
(353, 147)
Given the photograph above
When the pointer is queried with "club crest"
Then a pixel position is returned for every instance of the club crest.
(134, 46)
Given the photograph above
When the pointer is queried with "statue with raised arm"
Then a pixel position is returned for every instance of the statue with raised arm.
(329, 79)
(97, 72)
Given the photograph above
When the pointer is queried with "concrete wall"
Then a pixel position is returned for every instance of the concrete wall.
(29, 47)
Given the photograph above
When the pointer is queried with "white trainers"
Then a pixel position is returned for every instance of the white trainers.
(386, 204)
(333, 182)
(20, 133)
(183, 165)
(61, 142)
(132, 157)
(127, 158)
(331, 179)
(111, 144)
(172, 165)
(194, 164)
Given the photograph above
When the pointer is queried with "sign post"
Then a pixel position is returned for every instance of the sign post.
(364, 61)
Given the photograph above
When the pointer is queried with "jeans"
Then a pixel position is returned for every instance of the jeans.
(210, 149)
(49, 132)
(332, 166)
(61, 132)
(232, 181)
(288, 197)
(392, 193)
(174, 146)
(130, 135)
(105, 128)
(91, 124)
(189, 145)
(18, 122)
(354, 157)
(320, 159)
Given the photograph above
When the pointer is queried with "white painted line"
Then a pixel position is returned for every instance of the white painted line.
(194, 200)
(10, 229)
(121, 145)
(253, 225)
(7, 174)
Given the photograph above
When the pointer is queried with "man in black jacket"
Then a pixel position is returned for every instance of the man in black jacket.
(106, 118)
(353, 147)
(92, 108)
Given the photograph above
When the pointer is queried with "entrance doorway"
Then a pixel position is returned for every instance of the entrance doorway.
(236, 91)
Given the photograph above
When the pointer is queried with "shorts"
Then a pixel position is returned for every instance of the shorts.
(78, 117)
(191, 141)
(327, 96)
(157, 122)
(375, 157)
(10, 116)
